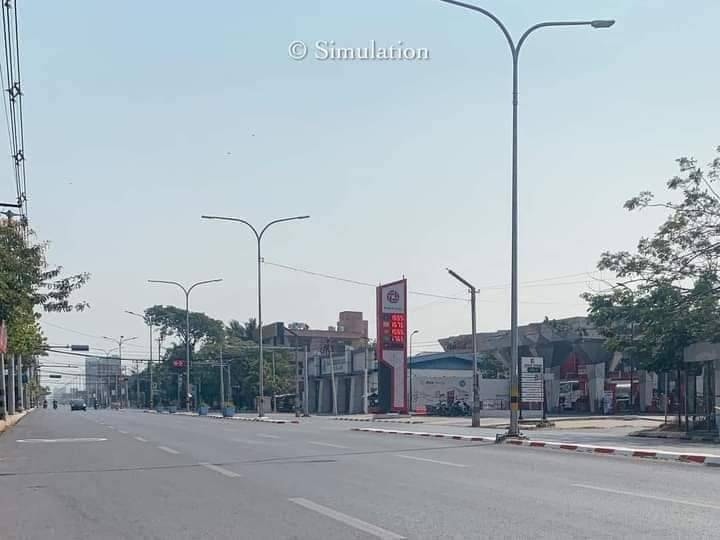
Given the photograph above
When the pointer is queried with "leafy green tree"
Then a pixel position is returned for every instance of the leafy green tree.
(28, 283)
(172, 322)
(665, 294)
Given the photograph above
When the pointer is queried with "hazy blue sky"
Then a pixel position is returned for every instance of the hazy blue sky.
(141, 116)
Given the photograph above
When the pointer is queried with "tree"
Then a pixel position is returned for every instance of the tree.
(172, 322)
(28, 283)
(235, 329)
(665, 295)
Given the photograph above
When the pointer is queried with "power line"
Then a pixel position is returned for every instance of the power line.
(417, 293)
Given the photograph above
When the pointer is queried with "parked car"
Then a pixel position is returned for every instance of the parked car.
(78, 405)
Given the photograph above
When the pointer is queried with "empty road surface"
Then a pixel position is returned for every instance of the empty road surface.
(130, 475)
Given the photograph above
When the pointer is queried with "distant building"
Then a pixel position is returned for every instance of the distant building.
(351, 331)
(103, 380)
(347, 345)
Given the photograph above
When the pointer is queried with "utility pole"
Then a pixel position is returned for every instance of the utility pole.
(222, 380)
(297, 383)
(366, 389)
(332, 378)
(410, 363)
(306, 398)
(476, 377)
(274, 402)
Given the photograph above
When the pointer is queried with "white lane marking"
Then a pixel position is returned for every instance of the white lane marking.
(249, 441)
(168, 450)
(430, 460)
(356, 523)
(221, 470)
(652, 497)
(78, 439)
(330, 445)
(265, 436)
(123, 432)
(141, 439)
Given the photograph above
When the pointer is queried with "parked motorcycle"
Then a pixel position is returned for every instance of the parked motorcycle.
(45, 404)
(54, 403)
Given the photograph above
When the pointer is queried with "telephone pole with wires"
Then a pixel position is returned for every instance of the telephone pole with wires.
(13, 102)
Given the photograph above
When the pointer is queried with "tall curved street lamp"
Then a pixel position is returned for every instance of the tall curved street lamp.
(258, 237)
(515, 47)
(187, 291)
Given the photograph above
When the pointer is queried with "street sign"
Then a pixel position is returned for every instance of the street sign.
(178, 363)
(55, 376)
(531, 379)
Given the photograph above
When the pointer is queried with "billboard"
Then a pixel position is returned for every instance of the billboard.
(392, 344)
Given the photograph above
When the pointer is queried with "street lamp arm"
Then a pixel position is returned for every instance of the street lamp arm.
(494, 18)
(222, 218)
(202, 283)
(545, 25)
(281, 220)
(169, 283)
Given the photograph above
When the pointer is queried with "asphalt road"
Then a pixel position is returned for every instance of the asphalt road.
(131, 475)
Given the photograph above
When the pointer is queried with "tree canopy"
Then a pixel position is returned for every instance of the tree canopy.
(665, 294)
(171, 321)
(28, 284)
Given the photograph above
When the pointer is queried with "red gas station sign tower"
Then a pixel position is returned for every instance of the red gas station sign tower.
(392, 345)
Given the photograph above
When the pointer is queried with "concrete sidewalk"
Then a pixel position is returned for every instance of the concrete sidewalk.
(11, 420)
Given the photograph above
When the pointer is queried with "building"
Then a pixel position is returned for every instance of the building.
(103, 380)
(581, 374)
(351, 331)
(340, 361)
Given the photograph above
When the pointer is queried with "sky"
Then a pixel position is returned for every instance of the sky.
(141, 116)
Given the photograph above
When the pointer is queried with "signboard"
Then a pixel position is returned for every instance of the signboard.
(392, 341)
(531, 379)
(178, 363)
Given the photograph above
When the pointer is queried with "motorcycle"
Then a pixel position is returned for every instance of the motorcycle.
(45, 404)
(54, 404)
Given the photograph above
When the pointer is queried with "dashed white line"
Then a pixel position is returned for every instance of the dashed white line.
(168, 450)
(266, 436)
(249, 441)
(123, 432)
(353, 522)
(78, 439)
(221, 470)
(645, 496)
(141, 439)
(449, 464)
(330, 445)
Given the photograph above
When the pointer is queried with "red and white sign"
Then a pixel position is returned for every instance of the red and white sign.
(392, 339)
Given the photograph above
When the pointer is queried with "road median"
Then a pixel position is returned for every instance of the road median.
(638, 453)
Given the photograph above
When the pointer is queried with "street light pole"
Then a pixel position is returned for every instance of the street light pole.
(476, 378)
(151, 354)
(120, 342)
(411, 369)
(187, 292)
(513, 430)
(258, 237)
